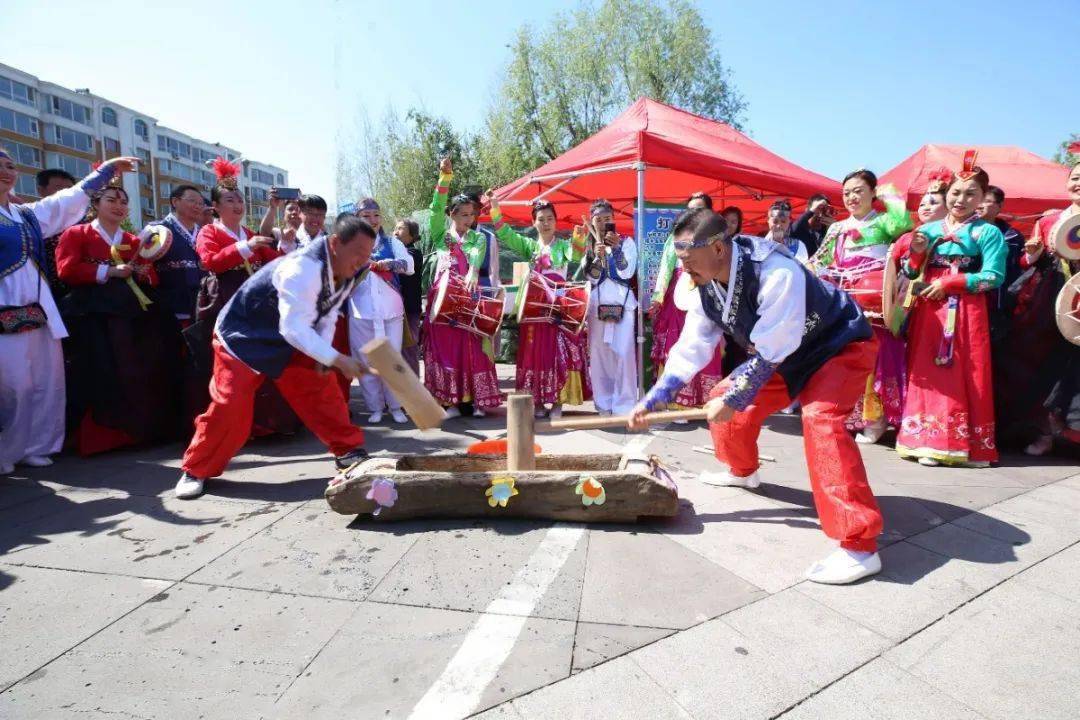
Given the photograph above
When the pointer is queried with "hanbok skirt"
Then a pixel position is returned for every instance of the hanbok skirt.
(949, 407)
(456, 367)
(553, 364)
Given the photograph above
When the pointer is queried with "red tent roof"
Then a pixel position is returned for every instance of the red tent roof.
(682, 152)
(1031, 183)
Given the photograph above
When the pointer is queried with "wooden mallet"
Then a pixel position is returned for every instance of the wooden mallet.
(593, 423)
(387, 363)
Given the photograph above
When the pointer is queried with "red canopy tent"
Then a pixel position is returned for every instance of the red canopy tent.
(672, 153)
(659, 154)
(1031, 183)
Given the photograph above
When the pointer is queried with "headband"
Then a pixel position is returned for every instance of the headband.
(713, 229)
(368, 204)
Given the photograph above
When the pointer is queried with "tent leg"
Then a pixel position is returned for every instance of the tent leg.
(639, 238)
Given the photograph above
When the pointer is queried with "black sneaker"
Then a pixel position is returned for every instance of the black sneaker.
(344, 462)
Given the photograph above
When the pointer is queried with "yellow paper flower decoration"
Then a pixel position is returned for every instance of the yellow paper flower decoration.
(591, 491)
(501, 490)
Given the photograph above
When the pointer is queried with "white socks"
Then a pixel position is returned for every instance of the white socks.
(844, 566)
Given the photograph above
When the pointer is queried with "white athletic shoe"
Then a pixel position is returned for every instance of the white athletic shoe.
(928, 462)
(452, 412)
(843, 567)
(36, 461)
(556, 411)
(375, 418)
(871, 433)
(726, 479)
(681, 421)
(540, 413)
(6, 469)
(399, 416)
(189, 487)
(1040, 447)
(478, 413)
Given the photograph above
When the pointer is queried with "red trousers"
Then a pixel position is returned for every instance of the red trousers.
(845, 504)
(221, 431)
(341, 344)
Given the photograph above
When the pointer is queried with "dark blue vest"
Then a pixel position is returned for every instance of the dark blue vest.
(249, 322)
(833, 319)
(20, 242)
(179, 273)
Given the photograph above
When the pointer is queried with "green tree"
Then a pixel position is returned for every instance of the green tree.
(565, 81)
(1063, 155)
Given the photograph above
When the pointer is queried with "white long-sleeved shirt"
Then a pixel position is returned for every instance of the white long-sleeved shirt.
(609, 292)
(298, 282)
(374, 298)
(776, 335)
(24, 286)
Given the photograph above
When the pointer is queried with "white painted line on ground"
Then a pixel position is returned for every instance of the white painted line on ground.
(458, 690)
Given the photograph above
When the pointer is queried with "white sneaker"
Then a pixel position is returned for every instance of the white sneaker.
(843, 567)
(36, 461)
(928, 462)
(556, 411)
(681, 421)
(871, 433)
(1040, 447)
(6, 469)
(189, 487)
(726, 479)
(399, 416)
(375, 418)
(478, 413)
(452, 412)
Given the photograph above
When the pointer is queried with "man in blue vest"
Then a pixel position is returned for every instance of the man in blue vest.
(280, 324)
(805, 341)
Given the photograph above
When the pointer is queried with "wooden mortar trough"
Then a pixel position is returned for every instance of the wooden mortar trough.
(576, 488)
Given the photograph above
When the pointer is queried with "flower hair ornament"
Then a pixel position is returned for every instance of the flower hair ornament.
(227, 173)
(968, 169)
(940, 180)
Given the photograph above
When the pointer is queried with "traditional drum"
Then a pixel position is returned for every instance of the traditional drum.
(1065, 237)
(1067, 310)
(565, 305)
(155, 246)
(865, 284)
(479, 312)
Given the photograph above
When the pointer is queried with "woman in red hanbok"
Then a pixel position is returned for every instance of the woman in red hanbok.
(232, 253)
(123, 348)
(949, 405)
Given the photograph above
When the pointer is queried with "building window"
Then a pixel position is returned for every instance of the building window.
(144, 180)
(165, 189)
(142, 130)
(280, 180)
(17, 91)
(108, 116)
(112, 147)
(68, 109)
(26, 185)
(76, 166)
(19, 123)
(144, 155)
(262, 177)
(208, 178)
(23, 154)
(173, 146)
(73, 139)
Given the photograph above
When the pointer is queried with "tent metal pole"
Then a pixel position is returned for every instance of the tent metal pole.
(639, 239)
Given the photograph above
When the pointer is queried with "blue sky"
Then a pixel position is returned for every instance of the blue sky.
(830, 85)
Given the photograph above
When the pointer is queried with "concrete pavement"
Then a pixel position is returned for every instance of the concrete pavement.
(256, 601)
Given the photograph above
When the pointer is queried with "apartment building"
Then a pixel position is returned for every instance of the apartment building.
(44, 125)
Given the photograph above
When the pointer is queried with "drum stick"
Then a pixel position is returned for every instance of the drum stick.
(593, 423)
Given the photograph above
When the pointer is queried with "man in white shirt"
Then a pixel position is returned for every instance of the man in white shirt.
(280, 324)
(376, 308)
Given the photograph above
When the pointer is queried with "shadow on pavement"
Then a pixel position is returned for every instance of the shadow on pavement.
(1000, 536)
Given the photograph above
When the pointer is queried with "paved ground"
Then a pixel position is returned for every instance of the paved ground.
(117, 600)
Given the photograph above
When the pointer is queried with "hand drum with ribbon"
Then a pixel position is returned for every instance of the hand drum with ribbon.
(155, 246)
(1065, 237)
